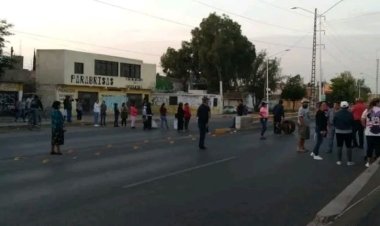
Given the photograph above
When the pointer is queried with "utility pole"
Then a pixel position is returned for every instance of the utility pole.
(312, 79)
(377, 77)
(321, 91)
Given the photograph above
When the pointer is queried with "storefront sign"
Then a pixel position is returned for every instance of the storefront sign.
(92, 80)
(133, 86)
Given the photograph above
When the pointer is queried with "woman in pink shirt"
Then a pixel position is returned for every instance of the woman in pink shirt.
(133, 111)
(263, 119)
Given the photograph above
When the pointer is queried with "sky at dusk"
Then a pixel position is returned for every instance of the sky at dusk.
(145, 29)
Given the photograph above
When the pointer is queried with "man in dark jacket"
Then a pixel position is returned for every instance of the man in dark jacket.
(278, 116)
(239, 111)
(203, 114)
(343, 123)
(320, 129)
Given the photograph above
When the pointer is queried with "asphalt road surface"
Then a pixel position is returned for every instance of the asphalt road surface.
(118, 176)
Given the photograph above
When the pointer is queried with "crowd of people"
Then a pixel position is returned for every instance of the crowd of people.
(182, 118)
(30, 109)
(345, 123)
(341, 122)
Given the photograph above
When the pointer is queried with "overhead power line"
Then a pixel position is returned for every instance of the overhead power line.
(143, 13)
(332, 7)
(84, 43)
(282, 8)
(249, 18)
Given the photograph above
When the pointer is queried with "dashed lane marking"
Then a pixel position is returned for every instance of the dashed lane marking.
(178, 172)
(17, 158)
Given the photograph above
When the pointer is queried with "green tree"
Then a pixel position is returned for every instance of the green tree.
(217, 50)
(5, 61)
(294, 89)
(255, 83)
(344, 88)
(179, 63)
(163, 83)
(222, 52)
(364, 89)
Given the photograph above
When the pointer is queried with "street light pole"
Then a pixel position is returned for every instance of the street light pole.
(268, 82)
(267, 86)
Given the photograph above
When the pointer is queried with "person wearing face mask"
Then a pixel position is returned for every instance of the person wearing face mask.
(303, 125)
(320, 129)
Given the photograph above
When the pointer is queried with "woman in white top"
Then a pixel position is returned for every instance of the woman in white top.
(96, 113)
(371, 122)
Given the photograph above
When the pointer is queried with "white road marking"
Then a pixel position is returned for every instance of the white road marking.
(178, 172)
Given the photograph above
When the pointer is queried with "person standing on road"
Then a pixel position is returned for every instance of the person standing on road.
(23, 109)
(180, 117)
(187, 116)
(264, 114)
(116, 113)
(333, 108)
(278, 117)
(344, 122)
(239, 112)
(57, 131)
(103, 113)
(68, 107)
(203, 114)
(133, 111)
(371, 122)
(79, 109)
(144, 115)
(303, 125)
(17, 110)
(357, 111)
(124, 115)
(164, 119)
(149, 115)
(36, 107)
(320, 129)
(96, 111)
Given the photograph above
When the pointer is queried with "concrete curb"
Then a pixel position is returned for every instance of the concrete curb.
(333, 209)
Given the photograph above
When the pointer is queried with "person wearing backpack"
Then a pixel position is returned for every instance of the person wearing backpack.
(371, 122)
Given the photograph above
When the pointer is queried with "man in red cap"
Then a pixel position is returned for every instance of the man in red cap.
(357, 111)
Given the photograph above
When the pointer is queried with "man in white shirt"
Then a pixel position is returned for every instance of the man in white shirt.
(96, 113)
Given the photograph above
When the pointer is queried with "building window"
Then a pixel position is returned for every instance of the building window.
(107, 68)
(173, 100)
(215, 102)
(78, 68)
(130, 70)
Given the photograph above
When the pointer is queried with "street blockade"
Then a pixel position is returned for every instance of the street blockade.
(243, 122)
(221, 131)
(288, 126)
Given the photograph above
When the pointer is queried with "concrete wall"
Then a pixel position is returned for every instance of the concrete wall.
(194, 101)
(57, 67)
(50, 67)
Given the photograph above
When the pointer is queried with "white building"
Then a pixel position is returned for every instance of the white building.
(89, 77)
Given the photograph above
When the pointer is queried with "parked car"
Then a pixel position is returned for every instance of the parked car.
(229, 110)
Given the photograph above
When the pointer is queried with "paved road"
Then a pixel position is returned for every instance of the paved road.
(113, 176)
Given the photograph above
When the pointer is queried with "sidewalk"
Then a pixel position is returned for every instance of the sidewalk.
(364, 210)
(358, 204)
